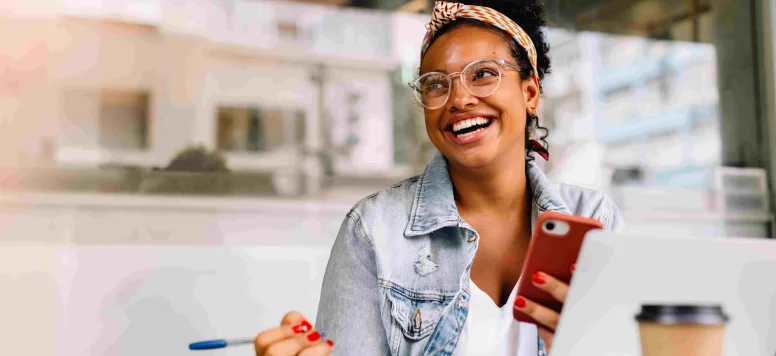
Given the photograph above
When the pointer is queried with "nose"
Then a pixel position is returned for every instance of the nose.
(459, 96)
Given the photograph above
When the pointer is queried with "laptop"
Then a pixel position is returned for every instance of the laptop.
(618, 272)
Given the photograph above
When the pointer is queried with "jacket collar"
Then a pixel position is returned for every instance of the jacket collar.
(434, 205)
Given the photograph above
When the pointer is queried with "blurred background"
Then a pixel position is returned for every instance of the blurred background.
(185, 124)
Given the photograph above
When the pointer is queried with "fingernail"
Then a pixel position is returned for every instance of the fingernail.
(331, 343)
(573, 267)
(520, 302)
(538, 278)
(314, 336)
(303, 327)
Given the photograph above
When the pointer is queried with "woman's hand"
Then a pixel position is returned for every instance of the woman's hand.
(546, 318)
(294, 336)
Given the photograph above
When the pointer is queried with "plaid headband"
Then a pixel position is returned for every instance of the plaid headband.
(446, 12)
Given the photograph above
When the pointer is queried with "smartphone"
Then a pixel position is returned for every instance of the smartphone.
(554, 248)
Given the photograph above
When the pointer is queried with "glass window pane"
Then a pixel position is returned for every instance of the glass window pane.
(255, 129)
(124, 119)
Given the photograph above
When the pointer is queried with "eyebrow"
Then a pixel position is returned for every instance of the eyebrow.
(494, 58)
(435, 70)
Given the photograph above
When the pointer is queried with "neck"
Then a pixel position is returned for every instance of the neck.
(500, 188)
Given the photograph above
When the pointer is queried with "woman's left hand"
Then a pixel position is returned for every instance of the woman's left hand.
(546, 318)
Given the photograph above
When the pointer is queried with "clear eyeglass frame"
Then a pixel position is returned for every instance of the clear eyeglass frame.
(417, 89)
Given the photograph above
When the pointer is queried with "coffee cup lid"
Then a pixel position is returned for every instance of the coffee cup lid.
(682, 314)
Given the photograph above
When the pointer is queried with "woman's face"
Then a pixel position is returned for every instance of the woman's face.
(503, 136)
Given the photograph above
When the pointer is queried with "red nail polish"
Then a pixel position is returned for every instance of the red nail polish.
(520, 302)
(314, 336)
(574, 267)
(538, 278)
(331, 343)
(303, 327)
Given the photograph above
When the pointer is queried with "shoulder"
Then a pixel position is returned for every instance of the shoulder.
(579, 198)
(398, 195)
(590, 203)
(386, 210)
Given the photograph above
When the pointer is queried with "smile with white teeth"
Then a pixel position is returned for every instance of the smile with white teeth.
(470, 126)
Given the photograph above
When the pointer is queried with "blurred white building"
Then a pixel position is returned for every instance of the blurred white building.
(281, 87)
(618, 103)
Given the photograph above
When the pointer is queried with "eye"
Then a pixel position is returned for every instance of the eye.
(434, 85)
(484, 73)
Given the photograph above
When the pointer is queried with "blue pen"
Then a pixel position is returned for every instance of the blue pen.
(221, 343)
(218, 344)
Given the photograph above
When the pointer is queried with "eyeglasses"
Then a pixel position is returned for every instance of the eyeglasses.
(481, 78)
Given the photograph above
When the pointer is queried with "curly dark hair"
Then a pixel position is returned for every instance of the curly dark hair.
(530, 15)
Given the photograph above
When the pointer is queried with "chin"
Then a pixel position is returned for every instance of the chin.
(473, 158)
(485, 156)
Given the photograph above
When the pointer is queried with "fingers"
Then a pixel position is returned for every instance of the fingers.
(551, 285)
(267, 338)
(321, 349)
(294, 345)
(544, 316)
(294, 336)
(271, 336)
(547, 336)
(293, 318)
(292, 326)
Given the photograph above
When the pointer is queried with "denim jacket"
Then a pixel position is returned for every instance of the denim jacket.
(397, 280)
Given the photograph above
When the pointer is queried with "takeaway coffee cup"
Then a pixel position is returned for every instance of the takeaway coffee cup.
(686, 330)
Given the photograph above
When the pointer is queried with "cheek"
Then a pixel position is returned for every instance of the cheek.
(432, 121)
(515, 122)
(512, 111)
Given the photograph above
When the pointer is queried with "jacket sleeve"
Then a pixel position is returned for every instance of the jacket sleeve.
(614, 220)
(349, 309)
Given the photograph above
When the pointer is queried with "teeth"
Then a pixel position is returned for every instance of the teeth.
(466, 135)
(463, 124)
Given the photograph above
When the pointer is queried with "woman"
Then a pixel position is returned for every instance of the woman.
(430, 266)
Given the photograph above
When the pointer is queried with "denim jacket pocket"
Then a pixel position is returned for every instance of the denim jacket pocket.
(417, 314)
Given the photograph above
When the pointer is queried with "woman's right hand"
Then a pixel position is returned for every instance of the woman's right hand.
(295, 336)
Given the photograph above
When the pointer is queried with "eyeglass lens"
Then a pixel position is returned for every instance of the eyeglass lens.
(480, 78)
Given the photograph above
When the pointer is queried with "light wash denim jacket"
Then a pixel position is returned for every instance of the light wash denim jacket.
(397, 281)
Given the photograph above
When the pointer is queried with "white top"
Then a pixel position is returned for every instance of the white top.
(493, 331)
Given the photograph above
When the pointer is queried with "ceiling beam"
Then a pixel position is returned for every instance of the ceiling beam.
(326, 2)
(414, 6)
(394, 5)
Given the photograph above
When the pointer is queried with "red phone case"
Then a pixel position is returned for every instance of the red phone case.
(553, 255)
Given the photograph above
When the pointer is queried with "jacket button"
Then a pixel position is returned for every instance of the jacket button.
(472, 239)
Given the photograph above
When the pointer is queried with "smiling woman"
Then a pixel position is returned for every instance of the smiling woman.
(430, 266)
